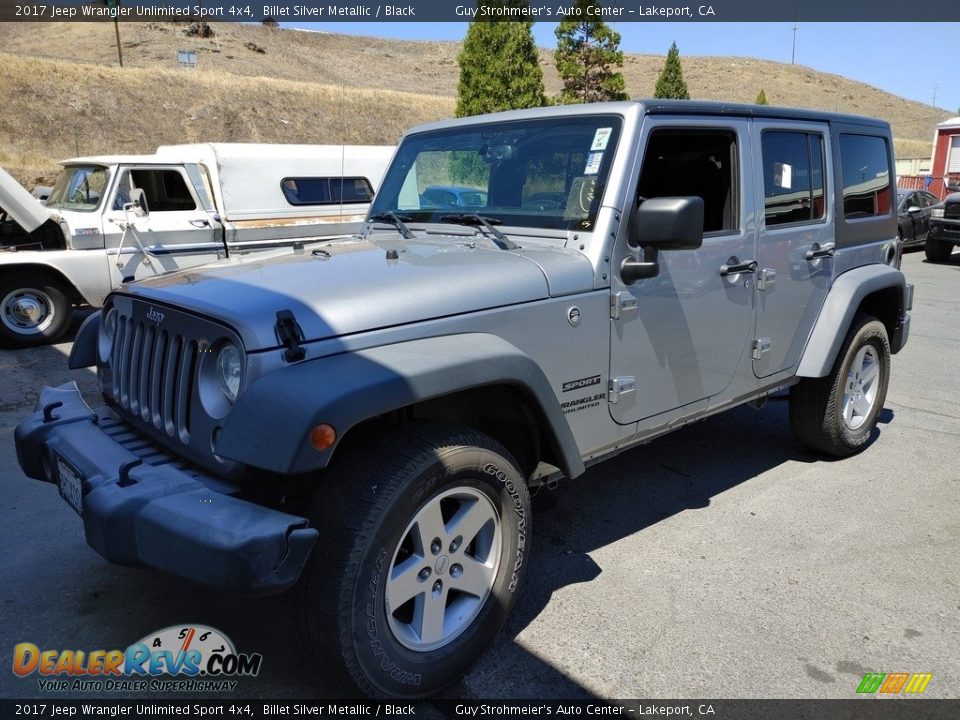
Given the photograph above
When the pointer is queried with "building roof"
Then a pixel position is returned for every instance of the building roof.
(951, 123)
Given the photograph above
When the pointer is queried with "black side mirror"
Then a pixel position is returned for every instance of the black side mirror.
(953, 187)
(669, 223)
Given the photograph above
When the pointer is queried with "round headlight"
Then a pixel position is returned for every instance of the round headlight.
(229, 370)
(108, 331)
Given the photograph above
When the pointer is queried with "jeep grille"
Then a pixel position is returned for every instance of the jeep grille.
(952, 210)
(153, 375)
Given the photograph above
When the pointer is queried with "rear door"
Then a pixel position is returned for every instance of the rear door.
(796, 238)
(175, 232)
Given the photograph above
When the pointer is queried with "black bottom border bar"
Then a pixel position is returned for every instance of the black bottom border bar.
(863, 708)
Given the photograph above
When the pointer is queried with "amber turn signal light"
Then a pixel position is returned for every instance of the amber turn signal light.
(322, 437)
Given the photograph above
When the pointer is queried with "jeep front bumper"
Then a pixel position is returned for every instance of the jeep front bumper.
(136, 513)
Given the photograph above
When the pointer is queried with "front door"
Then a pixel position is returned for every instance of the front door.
(172, 232)
(684, 333)
(795, 247)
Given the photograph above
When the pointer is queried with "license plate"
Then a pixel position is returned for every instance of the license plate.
(71, 485)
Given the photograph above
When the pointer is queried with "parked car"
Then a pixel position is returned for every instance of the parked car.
(193, 204)
(454, 196)
(364, 419)
(944, 233)
(914, 210)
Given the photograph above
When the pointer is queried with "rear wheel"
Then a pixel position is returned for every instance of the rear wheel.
(423, 544)
(837, 414)
(937, 250)
(34, 310)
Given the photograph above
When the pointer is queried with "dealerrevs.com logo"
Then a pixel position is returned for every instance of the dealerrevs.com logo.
(178, 658)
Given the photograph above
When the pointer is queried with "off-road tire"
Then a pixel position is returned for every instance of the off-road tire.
(817, 404)
(937, 250)
(363, 508)
(48, 295)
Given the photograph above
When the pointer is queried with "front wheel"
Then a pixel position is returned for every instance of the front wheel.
(837, 414)
(33, 310)
(424, 536)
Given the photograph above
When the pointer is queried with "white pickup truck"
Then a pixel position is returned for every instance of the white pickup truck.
(114, 219)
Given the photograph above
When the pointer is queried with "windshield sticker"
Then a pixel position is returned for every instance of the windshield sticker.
(600, 138)
(593, 163)
(783, 175)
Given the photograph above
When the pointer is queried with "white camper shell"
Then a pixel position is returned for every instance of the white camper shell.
(114, 219)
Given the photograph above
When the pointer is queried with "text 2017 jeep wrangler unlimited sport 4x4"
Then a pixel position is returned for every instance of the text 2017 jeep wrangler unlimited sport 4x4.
(366, 416)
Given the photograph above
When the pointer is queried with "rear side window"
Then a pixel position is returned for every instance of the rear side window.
(792, 177)
(326, 190)
(867, 190)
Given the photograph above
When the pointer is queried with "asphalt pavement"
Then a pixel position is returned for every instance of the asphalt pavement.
(723, 560)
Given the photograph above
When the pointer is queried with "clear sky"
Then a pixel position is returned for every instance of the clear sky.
(907, 59)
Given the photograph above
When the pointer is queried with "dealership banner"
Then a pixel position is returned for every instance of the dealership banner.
(853, 11)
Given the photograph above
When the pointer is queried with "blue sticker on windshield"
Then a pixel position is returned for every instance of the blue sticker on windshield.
(593, 163)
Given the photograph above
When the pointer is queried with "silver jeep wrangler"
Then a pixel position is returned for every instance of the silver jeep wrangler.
(364, 418)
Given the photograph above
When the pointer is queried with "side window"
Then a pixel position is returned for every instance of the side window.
(867, 190)
(792, 177)
(163, 190)
(326, 190)
(694, 163)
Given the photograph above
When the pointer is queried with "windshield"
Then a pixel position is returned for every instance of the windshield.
(79, 188)
(545, 173)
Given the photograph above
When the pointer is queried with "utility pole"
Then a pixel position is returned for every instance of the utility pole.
(793, 53)
(935, 88)
(114, 6)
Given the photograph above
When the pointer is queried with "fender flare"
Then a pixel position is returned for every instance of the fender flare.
(836, 315)
(83, 354)
(269, 426)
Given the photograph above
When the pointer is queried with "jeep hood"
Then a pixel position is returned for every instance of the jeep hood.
(353, 286)
(20, 204)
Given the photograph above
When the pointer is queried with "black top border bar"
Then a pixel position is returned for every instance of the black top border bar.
(846, 11)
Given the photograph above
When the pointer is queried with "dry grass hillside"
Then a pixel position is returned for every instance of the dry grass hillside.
(63, 90)
(55, 109)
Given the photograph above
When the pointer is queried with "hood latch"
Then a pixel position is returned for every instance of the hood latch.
(290, 336)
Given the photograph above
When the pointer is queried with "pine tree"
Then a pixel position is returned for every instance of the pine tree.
(587, 51)
(761, 98)
(670, 84)
(499, 66)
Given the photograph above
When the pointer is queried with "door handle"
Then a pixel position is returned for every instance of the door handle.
(735, 267)
(817, 252)
(200, 223)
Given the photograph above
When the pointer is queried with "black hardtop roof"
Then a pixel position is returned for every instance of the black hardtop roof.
(702, 107)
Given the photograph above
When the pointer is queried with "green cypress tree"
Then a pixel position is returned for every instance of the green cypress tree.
(761, 98)
(670, 84)
(587, 53)
(499, 66)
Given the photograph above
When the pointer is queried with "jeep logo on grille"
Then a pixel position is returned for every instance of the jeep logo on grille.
(155, 316)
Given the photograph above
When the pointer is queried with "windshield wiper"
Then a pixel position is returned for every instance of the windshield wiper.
(499, 238)
(396, 220)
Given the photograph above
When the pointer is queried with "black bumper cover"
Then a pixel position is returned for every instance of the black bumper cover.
(156, 515)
